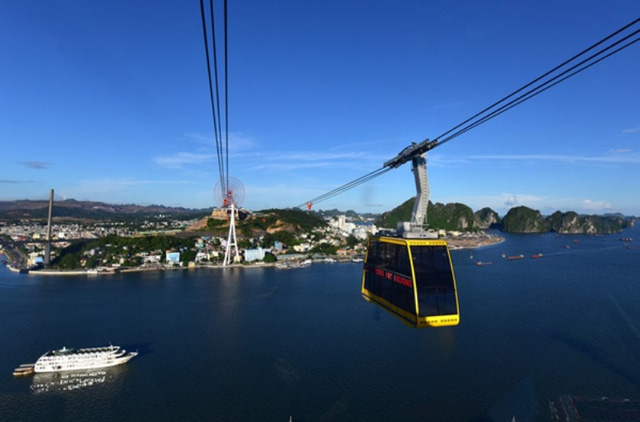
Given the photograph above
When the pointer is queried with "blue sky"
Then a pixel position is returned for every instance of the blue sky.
(108, 101)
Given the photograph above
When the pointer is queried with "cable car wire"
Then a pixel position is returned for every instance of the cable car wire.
(224, 180)
(472, 122)
(540, 77)
(492, 115)
(543, 86)
(222, 150)
(347, 186)
(226, 92)
(212, 96)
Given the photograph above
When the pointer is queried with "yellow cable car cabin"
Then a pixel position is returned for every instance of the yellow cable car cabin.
(413, 279)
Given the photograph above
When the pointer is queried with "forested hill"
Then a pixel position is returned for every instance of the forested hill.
(452, 216)
(460, 217)
(527, 220)
(284, 225)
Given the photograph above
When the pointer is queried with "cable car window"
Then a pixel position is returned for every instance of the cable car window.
(434, 281)
(388, 275)
(403, 264)
(372, 253)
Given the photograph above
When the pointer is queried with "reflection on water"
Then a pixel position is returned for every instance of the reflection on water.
(73, 380)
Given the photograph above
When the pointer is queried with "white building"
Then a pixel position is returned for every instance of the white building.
(303, 247)
(254, 254)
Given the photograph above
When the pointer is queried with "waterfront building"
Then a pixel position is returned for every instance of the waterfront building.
(173, 257)
(151, 259)
(303, 247)
(254, 254)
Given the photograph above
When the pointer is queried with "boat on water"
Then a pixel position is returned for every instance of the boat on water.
(481, 263)
(70, 360)
(511, 258)
(536, 256)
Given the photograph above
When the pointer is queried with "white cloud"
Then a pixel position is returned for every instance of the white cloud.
(313, 159)
(605, 159)
(100, 189)
(181, 159)
(512, 201)
(593, 206)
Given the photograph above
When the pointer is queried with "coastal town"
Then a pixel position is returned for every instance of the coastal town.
(164, 243)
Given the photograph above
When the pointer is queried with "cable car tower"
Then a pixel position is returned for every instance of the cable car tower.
(417, 154)
(231, 198)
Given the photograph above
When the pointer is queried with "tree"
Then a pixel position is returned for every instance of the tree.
(269, 258)
(188, 256)
(325, 248)
(244, 243)
(352, 241)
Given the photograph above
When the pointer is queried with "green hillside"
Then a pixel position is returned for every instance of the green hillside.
(524, 220)
(452, 216)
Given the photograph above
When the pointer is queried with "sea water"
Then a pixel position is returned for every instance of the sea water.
(261, 344)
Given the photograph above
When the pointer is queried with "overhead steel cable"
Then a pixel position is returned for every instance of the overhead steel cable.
(472, 122)
(347, 186)
(219, 147)
(541, 77)
(211, 92)
(226, 92)
(588, 62)
(489, 117)
(222, 144)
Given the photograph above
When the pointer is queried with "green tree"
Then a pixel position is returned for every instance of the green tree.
(325, 248)
(244, 244)
(69, 262)
(352, 241)
(188, 256)
(214, 223)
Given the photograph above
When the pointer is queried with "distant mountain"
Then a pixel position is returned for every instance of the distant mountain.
(522, 219)
(487, 218)
(527, 220)
(70, 208)
(349, 213)
(452, 216)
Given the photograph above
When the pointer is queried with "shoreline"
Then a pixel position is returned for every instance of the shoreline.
(475, 242)
(455, 243)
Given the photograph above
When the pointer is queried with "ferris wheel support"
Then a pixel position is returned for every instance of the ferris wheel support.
(232, 241)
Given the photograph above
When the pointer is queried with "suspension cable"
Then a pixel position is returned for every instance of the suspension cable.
(211, 91)
(226, 93)
(546, 85)
(472, 122)
(540, 77)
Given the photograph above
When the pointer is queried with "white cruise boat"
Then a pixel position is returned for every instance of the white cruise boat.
(71, 360)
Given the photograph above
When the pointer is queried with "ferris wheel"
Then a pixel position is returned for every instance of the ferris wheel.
(233, 193)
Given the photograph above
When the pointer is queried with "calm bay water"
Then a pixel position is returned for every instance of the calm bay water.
(263, 344)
